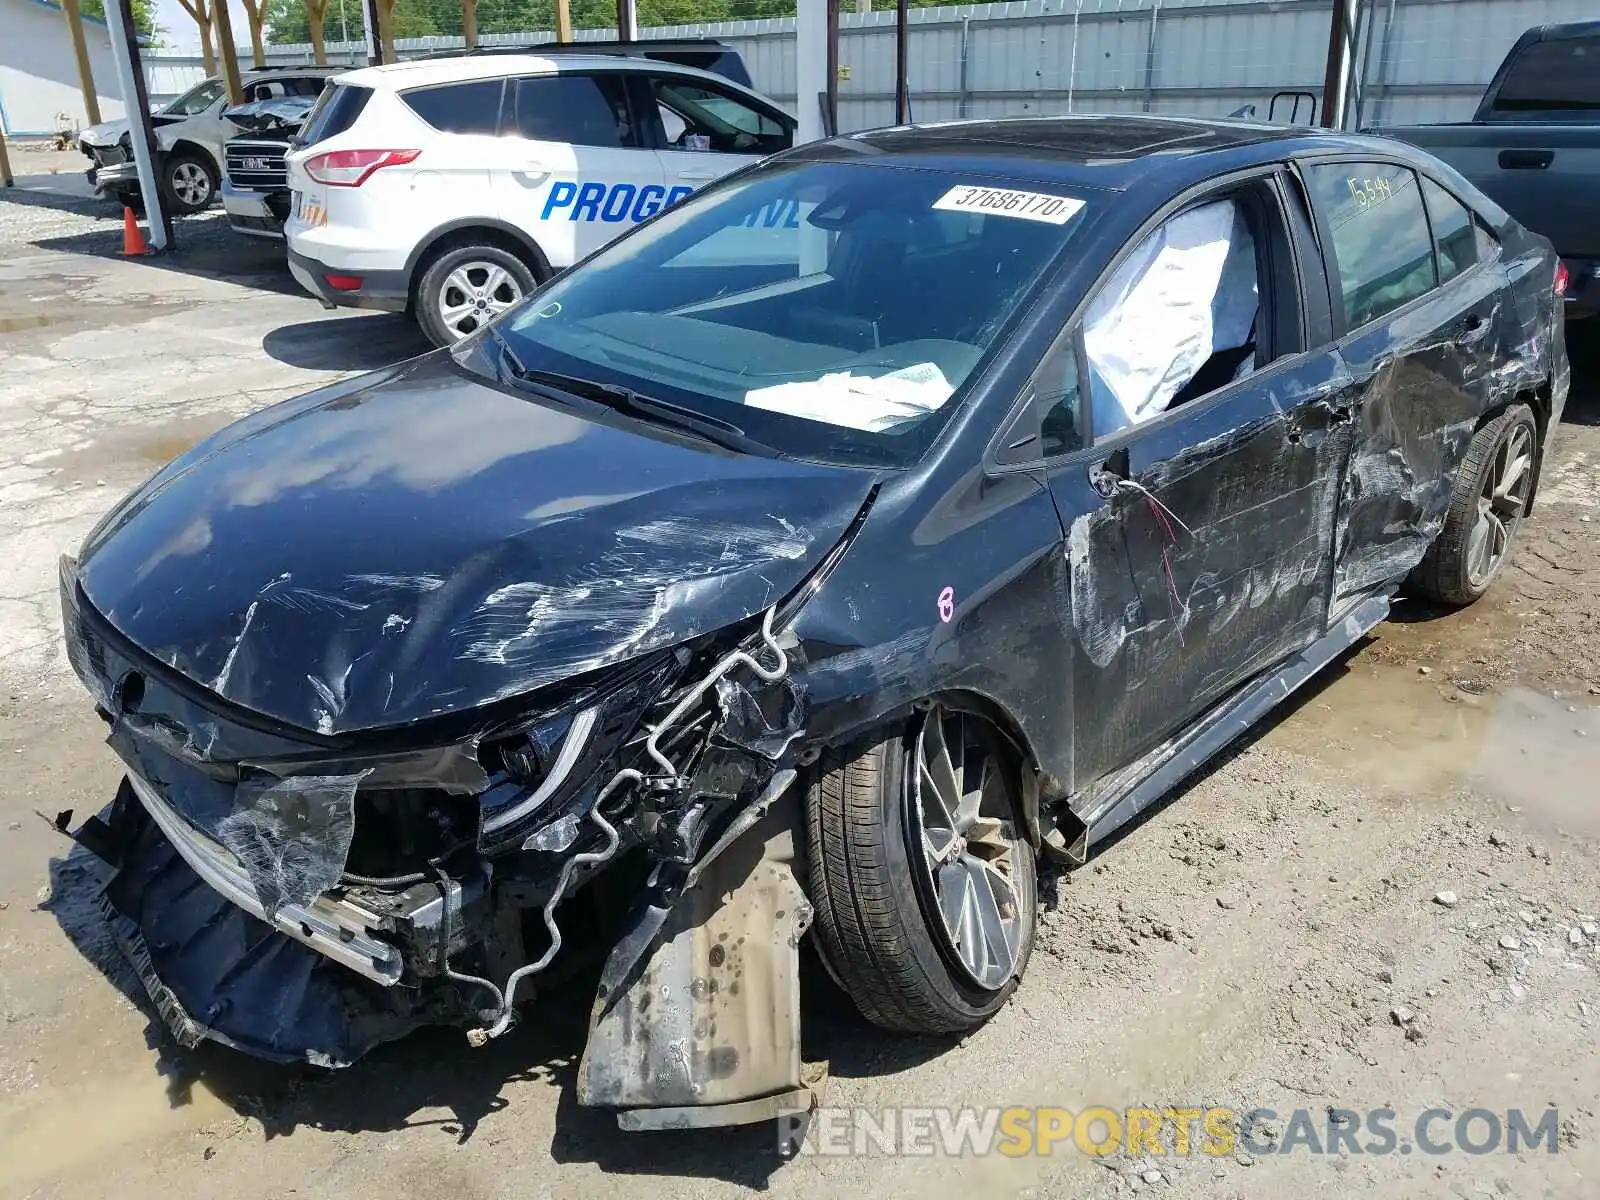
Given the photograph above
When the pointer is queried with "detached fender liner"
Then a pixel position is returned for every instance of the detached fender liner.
(214, 971)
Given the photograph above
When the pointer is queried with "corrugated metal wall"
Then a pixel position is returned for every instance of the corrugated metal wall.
(1418, 60)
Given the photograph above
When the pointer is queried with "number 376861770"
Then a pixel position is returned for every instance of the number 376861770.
(1367, 192)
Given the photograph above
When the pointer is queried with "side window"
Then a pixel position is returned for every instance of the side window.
(696, 117)
(1457, 239)
(586, 110)
(459, 107)
(1178, 319)
(1381, 244)
(1053, 423)
(304, 85)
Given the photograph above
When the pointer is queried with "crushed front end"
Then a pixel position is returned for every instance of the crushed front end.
(306, 897)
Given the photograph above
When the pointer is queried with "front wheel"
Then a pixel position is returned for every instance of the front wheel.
(189, 183)
(467, 287)
(1491, 495)
(923, 881)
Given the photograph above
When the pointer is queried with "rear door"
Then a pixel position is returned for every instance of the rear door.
(1420, 355)
(1199, 536)
(704, 130)
(572, 169)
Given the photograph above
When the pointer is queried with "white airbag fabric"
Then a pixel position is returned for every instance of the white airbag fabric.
(870, 402)
(1187, 291)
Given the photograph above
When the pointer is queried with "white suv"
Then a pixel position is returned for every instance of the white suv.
(452, 187)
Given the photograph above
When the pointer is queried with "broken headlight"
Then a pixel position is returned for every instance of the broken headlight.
(539, 760)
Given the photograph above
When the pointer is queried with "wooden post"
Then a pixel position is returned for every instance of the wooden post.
(227, 51)
(563, 20)
(91, 101)
(469, 23)
(6, 178)
(385, 10)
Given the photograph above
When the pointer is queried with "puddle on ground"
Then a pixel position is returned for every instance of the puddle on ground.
(51, 1130)
(27, 321)
(1537, 752)
(138, 450)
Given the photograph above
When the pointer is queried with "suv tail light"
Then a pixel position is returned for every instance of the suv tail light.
(1562, 278)
(350, 168)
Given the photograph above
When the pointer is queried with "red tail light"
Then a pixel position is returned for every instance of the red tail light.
(1562, 279)
(350, 168)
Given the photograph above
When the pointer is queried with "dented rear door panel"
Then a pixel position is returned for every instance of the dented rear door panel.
(1424, 380)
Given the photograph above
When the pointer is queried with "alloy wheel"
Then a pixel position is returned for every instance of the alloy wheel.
(191, 185)
(964, 840)
(1501, 504)
(474, 293)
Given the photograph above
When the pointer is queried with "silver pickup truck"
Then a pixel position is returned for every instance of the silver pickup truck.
(1534, 147)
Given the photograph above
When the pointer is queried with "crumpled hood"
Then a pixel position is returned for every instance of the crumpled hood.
(107, 133)
(418, 542)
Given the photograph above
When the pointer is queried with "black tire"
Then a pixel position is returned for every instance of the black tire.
(876, 922)
(430, 297)
(188, 183)
(1454, 570)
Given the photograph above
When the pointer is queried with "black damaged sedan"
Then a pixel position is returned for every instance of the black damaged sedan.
(817, 558)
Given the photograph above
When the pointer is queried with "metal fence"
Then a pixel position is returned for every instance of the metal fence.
(1415, 60)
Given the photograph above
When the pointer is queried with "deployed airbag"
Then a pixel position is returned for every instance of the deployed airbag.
(1187, 292)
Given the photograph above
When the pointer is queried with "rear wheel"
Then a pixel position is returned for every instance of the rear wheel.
(923, 881)
(468, 286)
(1491, 496)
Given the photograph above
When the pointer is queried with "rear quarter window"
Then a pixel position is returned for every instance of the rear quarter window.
(1553, 75)
(459, 107)
(334, 112)
(1382, 248)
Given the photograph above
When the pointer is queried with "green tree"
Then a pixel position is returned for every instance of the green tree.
(144, 17)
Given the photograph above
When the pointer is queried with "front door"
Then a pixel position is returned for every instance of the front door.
(707, 131)
(1415, 349)
(572, 169)
(1199, 531)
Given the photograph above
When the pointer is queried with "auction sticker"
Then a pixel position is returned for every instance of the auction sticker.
(1003, 202)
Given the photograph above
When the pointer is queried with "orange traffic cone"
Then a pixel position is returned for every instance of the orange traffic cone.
(132, 236)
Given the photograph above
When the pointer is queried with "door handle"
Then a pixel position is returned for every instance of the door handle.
(1472, 331)
(1526, 160)
(1108, 474)
(697, 175)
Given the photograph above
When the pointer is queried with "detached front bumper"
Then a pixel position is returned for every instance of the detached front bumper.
(115, 179)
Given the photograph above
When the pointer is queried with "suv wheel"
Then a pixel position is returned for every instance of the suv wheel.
(1486, 507)
(189, 183)
(465, 288)
(923, 880)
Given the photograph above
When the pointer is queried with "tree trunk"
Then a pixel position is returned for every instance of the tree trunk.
(316, 16)
(208, 52)
(469, 22)
(258, 49)
(386, 30)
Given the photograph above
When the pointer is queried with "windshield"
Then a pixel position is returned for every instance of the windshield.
(196, 100)
(828, 310)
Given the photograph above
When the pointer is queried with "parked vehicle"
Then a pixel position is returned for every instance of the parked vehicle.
(819, 555)
(255, 188)
(705, 54)
(452, 187)
(190, 133)
(1534, 146)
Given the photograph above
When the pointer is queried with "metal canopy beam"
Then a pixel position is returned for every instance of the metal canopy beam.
(141, 130)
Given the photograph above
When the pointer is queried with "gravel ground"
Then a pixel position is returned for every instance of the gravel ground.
(1386, 898)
